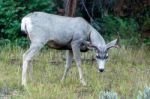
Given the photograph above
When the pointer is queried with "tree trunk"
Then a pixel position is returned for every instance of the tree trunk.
(70, 7)
(119, 8)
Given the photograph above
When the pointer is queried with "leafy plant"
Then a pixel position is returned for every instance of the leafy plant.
(145, 94)
(12, 11)
(108, 95)
(127, 29)
(4, 42)
(146, 25)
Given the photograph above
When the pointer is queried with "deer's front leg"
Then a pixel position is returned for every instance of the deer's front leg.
(76, 52)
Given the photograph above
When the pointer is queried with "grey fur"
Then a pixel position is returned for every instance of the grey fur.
(60, 32)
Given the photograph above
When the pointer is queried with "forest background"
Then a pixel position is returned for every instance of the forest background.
(130, 18)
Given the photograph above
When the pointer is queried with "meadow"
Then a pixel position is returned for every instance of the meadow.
(127, 72)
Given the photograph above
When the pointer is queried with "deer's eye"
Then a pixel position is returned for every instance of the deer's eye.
(106, 56)
(102, 57)
(98, 57)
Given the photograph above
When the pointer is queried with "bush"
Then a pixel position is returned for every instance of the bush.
(146, 25)
(145, 94)
(108, 95)
(4, 42)
(127, 29)
(12, 11)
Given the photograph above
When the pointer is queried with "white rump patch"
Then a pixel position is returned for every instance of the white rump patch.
(26, 24)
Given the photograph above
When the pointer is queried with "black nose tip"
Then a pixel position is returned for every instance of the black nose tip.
(101, 70)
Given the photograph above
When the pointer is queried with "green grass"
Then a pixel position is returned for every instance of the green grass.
(126, 72)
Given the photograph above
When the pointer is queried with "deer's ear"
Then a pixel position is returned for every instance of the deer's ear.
(114, 43)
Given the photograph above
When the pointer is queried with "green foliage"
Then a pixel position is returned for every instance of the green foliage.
(12, 11)
(127, 29)
(145, 94)
(146, 25)
(22, 42)
(4, 42)
(9, 20)
(108, 95)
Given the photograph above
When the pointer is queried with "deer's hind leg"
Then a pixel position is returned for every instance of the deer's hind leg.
(27, 56)
(69, 57)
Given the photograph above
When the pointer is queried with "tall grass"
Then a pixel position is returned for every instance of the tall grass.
(127, 71)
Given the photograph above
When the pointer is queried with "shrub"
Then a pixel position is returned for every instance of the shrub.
(108, 95)
(4, 42)
(145, 94)
(12, 11)
(127, 28)
(146, 25)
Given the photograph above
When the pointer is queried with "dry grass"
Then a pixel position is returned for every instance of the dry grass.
(127, 71)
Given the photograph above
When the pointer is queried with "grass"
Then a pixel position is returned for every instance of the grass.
(126, 72)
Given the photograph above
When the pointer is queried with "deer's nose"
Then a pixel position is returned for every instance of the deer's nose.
(101, 70)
